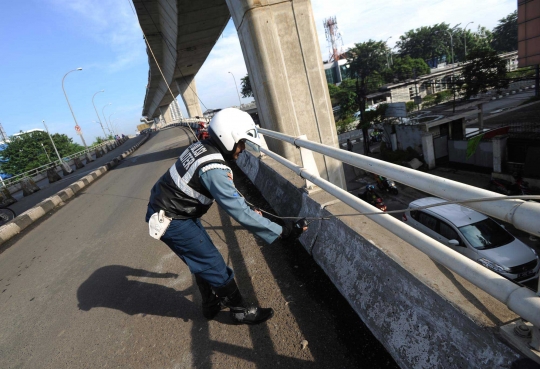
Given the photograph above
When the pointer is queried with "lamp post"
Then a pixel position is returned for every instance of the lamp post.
(453, 74)
(75, 119)
(234, 79)
(465, 38)
(105, 118)
(110, 123)
(46, 153)
(99, 118)
(54, 146)
(387, 63)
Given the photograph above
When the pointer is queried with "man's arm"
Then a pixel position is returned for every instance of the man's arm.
(220, 184)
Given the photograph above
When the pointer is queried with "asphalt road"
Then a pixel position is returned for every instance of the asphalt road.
(86, 287)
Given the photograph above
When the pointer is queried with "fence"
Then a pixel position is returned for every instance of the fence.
(523, 215)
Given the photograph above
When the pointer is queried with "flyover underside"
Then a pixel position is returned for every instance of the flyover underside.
(181, 34)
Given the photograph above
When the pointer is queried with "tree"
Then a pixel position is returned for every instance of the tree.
(427, 43)
(24, 152)
(505, 34)
(406, 67)
(485, 70)
(246, 90)
(368, 60)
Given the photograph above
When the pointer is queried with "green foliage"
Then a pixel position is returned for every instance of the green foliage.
(427, 42)
(410, 106)
(521, 73)
(505, 34)
(25, 152)
(346, 97)
(406, 67)
(436, 98)
(344, 125)
(246, 90)
(485, 71)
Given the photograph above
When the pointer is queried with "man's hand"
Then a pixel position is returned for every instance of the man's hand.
(293, 230)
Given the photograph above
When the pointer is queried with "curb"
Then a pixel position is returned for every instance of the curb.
(31, 215)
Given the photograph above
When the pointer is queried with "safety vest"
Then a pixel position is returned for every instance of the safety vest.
(179, 191)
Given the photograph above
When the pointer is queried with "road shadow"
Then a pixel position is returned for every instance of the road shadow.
(116, 287)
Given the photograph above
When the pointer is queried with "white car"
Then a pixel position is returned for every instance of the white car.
(476, 236)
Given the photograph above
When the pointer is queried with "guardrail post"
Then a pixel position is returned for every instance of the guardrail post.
(263, 145)
(308, 162)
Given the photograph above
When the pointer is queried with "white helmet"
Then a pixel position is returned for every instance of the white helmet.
(230, 126)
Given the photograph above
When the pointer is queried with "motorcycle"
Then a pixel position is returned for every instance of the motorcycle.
(386, 184)
(372, 198)
(519, 187)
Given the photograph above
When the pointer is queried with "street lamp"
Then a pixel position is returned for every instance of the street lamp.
(75, 119)
(99, 118)
(453, 74)
(239, 101)
(387, 63)
(54, 146)
(105, 118)
(110, 123)
(465, 38)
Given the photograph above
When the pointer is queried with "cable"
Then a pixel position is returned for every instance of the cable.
(482, 199)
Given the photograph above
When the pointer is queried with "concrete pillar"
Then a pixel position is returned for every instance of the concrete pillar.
(428, 150)
(393, 141)
(29, 186)
(282, 54)
(52, 175)
(499, 152)
(78, 163)
(89, 158)
(99, 153)
(188, 90)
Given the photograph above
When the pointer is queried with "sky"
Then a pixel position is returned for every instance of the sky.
(42, 40)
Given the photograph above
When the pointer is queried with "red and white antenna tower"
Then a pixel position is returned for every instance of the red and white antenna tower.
(333, 37)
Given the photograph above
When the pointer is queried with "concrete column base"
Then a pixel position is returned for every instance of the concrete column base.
(99, 153)
(499, 152)
(78, 163)
(105, 149)
(66, 169)
(5, 197)
(89, 158)
(52, 175)
(29, 186)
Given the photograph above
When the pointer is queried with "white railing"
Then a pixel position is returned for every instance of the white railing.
(11, 181)
(524, 215)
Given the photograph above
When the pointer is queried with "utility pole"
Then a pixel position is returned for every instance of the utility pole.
(453, 73)
(46, 153)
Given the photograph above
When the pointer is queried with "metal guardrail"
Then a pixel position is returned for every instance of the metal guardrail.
(521, 300)
(12, 181)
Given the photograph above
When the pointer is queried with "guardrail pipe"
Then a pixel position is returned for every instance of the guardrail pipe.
(521, 300)
(522, 215)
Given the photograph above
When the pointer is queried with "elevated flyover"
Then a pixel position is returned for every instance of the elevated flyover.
(181, 35)
(282, 55)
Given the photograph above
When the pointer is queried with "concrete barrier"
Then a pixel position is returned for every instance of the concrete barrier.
(5, 197)
(105, 149)
(25, 219)
(89, 158)
(423, 314)
(29, 186)
(99, 153)
(78, 163)
(66, 169)
(52, 175)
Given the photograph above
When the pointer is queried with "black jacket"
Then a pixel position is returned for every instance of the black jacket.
(179, 191)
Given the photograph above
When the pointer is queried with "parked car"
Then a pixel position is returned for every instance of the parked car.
(476, 236)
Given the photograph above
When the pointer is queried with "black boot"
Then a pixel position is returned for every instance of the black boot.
(241, 312)
(211, 304)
